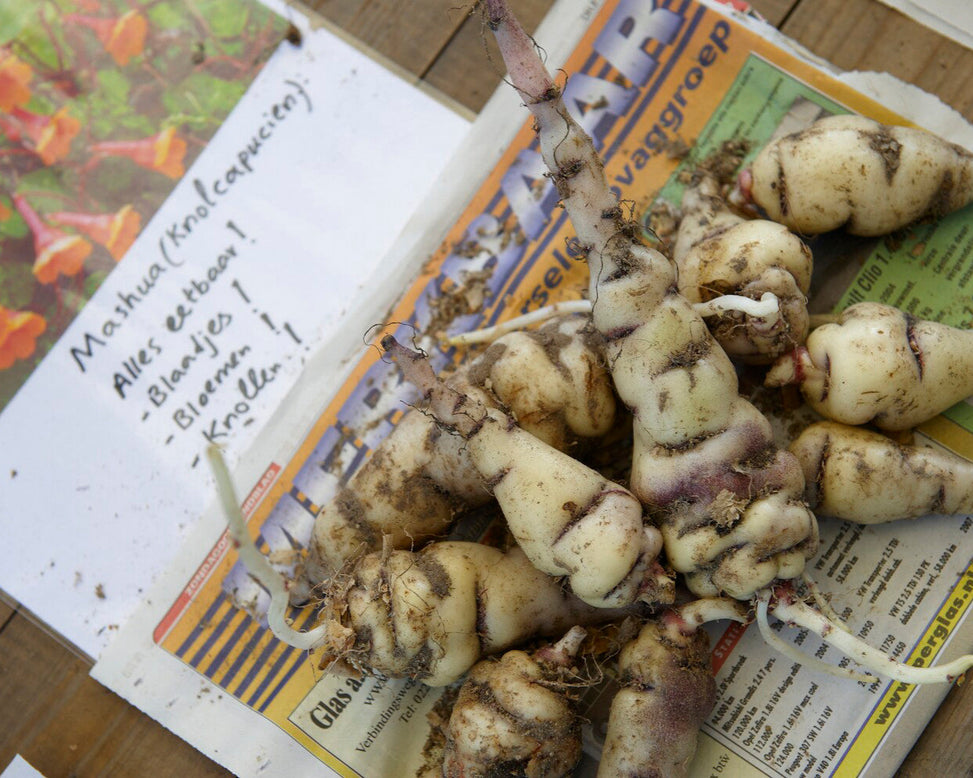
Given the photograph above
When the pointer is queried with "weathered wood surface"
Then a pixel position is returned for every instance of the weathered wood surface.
(66, 724)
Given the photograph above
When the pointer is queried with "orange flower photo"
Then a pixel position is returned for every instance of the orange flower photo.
(115, 231)
(15, 75)
(162, 152)
(104, 106)
(122, 36)
(19, 331)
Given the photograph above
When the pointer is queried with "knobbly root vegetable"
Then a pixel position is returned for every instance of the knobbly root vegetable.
(859, 475)
(432, 614)
(719, 253)
(569, 520)
(428, 615)
(409, 490)
(552, 380)
(880, 365)
(852, 172)
(668, 691)
(729, 504)
(515, 715)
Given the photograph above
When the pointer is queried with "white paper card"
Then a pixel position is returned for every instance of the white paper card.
(197, 335)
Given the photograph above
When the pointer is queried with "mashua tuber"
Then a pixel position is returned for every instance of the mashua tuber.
(428, 615)
(859, 475)
(569, 519)
(719, 252)
(852, 172)
(880, 365)
(667, 692)
(553, 380)
(516, 715)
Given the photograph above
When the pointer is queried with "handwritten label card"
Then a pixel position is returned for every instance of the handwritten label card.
(200, 331)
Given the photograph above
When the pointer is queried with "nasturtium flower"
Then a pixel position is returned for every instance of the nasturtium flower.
(49, 136)
(162, 152)
(18, 335)
(15, 75)
(115, 231)
(122, 36)
(55, 252)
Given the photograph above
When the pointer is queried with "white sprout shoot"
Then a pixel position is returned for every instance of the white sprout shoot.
(489, 334)
(766, 309)
(256, 563)
(797, 613)
(562, 652)
(822, 602)
(698, 612)
(793, 652)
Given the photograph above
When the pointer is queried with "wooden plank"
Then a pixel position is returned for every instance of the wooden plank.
(944, 749)
(468, 69)
(774, 11)
(7, 608)
(66, 724)
(871, 36)
(137, 746)
(410, 34)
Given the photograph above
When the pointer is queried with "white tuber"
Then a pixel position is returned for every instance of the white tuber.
(515, 715)
(855, 474)
(720, 253)
(428, 615)
(569, 519)
(852, 172)
(668, 691)
(418, 478)
(880, 365)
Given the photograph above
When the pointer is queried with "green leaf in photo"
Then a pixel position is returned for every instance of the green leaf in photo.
(13, 227)
(17, 285)
(226, 18)
(204, 97)
(114, 85)
(168, 16)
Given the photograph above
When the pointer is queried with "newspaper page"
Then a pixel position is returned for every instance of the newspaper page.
(648, 81)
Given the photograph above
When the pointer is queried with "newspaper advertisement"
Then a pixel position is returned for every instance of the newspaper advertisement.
(646, 81)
